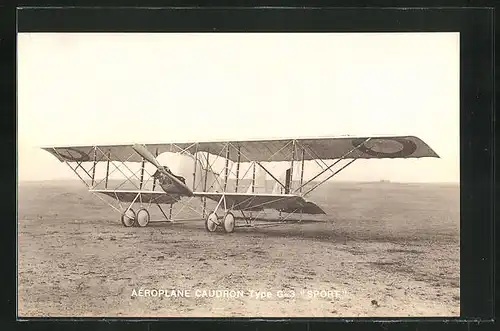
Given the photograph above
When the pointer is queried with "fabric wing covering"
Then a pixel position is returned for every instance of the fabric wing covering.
(285, 202)
(262, 150)
(239, 201)
(145, 196)
(251, 150)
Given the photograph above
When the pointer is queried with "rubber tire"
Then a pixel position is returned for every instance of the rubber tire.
(136, 221)
(229, 225)
(133, 219)
(208, 221)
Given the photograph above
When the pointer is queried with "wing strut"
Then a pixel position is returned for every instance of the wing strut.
(301, 171)
(166, 217)
(253, 178)
(107, 172)
(238, 169)
(195, 166)
(270, 174)
(332, 165)
(205, 183)
(289, 181)
(142, 173)
(154, 179)
(226, 168)
(336, 172)
(95, 164)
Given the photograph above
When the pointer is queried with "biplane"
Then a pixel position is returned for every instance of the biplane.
(224, 172)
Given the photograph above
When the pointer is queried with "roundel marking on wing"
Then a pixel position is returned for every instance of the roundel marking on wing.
(68, 154)
(406, 148)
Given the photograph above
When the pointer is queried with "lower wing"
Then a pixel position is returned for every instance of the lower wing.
(236, 201)
(140, 196)
(257, 201)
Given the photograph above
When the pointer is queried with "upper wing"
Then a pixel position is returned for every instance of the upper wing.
(264, 150)
(285, 202)
(139, 196)
(367, 148)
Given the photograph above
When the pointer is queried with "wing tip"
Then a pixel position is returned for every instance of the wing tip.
(432, 153)
(52, 150)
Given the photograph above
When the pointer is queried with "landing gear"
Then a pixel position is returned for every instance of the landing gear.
(228, 222)
(131, 218)
(142, 218)
(211, 222)
(128, 218)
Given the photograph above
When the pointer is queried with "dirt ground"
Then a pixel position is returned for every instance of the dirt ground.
(383, 250)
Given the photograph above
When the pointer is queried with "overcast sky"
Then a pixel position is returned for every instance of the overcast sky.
(121, 88)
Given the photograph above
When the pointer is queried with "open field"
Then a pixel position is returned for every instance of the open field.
(387, 249)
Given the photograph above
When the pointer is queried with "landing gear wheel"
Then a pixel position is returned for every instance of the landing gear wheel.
(128, 218)
(229, 222)
(142, 218)
(211, 222)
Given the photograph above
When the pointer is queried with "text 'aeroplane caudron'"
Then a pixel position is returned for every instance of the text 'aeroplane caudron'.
(232, 174)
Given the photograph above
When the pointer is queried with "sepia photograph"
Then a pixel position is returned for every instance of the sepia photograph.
(238, 175)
